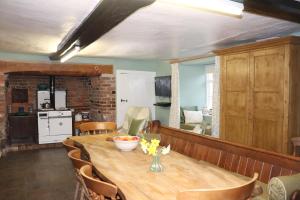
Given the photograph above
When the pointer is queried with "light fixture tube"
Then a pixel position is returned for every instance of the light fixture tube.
(227, 7)
(72, 52)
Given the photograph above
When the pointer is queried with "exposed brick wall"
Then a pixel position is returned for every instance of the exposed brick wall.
(78, 93)
(94, 94)
(77, 90)
(103, 98)
(79, 87)
(3, 116)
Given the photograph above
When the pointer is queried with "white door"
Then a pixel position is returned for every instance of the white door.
(134, 88)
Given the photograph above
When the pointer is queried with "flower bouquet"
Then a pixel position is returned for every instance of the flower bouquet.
(152, 148)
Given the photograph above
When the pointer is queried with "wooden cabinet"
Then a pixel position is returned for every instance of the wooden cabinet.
(22, 129)
(260, 93)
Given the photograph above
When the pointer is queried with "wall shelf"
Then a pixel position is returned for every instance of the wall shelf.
(163, 104)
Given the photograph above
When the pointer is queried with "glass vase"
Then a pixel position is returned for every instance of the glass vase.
(156, 165)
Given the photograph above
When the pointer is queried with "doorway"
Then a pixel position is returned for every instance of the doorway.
(134, 88)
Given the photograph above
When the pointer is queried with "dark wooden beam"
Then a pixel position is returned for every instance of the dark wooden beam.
(281, 9)
(106, 15)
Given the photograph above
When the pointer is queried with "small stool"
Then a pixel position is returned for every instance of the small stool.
(296, 143)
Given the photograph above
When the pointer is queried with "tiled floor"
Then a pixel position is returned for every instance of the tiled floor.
(37, 175)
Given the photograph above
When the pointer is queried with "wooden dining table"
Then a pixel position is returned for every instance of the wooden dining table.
(129, 171)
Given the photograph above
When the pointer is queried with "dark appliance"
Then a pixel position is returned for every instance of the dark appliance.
(163, 86)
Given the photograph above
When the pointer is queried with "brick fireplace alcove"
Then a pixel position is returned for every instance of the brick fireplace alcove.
(2, 112)
(90, 87)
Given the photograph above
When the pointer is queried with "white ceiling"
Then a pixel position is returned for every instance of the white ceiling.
(160, 31)
(38, 26)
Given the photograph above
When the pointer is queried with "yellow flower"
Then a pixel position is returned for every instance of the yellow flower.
(144, 142)
(152, 150)
(155, 142)
(144, 145)
(150, 147)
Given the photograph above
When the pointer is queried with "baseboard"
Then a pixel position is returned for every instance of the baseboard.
(26, 147)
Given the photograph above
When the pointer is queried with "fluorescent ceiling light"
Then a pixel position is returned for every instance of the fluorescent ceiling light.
(227, 7)
(72, 52)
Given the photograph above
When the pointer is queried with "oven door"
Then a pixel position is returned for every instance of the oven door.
(60, 126)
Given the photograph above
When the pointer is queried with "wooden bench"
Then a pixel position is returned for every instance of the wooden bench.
(233, 157)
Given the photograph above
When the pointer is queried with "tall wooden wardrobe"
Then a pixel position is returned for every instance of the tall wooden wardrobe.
(260, 93)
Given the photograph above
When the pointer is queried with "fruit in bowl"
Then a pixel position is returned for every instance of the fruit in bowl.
(126, 142)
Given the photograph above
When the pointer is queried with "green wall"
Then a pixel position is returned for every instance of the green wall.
(192, 85)
(125, 64)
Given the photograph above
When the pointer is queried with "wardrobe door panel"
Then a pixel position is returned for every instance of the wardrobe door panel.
(236, 104)
(267, 134)
(237, 72)
(268, 68)
(234, 98)
(234, 127)
(266, 104)
(268, 101)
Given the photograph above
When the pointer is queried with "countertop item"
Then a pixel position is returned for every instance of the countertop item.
(85, 115)
(20, 114)
(126, 143)
(43, 86)
(78, 117)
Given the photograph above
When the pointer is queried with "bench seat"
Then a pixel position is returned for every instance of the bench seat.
(236, 158)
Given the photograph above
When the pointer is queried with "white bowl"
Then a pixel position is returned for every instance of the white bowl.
(124, 145)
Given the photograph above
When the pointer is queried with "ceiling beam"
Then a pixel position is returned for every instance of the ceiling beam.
(281, 9)
(106, 15)
(69, 69)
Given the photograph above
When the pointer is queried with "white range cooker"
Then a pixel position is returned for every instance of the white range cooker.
(54, 126)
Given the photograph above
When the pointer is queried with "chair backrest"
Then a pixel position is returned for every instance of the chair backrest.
(97, 127)
(99, 187)
(138, 113)
(69, 145)
(295, 195)
(242, 192)
(75, 156)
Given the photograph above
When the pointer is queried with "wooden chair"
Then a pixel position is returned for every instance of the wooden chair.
(69, 145)
(81, 191)
(75, 156)
(92, 128)
(296, 195)
(296, 143)
(98, 189)
(242, 192)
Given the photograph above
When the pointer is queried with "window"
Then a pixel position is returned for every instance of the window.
(209, 89)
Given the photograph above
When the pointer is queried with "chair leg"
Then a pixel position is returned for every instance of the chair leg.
(82, 196)
(77, 191)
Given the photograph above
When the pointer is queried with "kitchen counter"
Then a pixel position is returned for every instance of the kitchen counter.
(25, 114)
